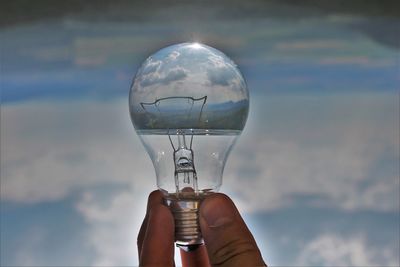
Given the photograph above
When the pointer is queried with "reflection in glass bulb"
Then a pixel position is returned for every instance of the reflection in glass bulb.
(196, 45)
(188, 103)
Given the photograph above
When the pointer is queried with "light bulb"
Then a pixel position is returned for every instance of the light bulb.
(188, 104)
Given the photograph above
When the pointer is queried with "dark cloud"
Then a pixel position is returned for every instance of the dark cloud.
(382, 30)
(221, 76)
(25, 11)
(388, 8)
(217, 78)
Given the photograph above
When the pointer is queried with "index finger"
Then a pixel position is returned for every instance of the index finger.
(155, 198)
(157, 248)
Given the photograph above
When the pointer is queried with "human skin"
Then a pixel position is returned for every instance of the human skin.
(228, 241)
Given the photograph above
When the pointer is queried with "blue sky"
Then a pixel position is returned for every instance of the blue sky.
(315, 173)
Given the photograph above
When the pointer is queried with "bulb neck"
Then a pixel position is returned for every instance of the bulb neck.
(186, 215)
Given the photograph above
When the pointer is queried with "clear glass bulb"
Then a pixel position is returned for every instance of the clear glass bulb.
(188, 104)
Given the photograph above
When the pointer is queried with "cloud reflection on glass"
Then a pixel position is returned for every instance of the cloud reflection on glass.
(210, 81)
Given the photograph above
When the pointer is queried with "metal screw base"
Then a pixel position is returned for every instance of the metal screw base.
(186, 215)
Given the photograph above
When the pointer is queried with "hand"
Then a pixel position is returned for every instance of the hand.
(228, 241)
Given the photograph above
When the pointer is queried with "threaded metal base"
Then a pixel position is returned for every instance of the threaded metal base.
(186, 215)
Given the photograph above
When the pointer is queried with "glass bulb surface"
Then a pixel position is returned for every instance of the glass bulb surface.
(188, 104)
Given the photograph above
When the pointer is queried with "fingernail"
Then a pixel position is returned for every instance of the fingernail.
(218, 210)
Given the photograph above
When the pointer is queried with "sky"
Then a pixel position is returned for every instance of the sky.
(315, 173)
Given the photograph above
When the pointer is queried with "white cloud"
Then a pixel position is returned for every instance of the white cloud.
(173, 56)
(332, 150)
(163, 77)
(49, 150)
(343, 151)
(114, 227)
(204, 71)
(333, 250)
(150, 67)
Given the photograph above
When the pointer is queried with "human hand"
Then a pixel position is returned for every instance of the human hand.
(228, 241)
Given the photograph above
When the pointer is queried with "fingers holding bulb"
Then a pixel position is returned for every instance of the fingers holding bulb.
(156, 236)
(227, 238)
(154, 199)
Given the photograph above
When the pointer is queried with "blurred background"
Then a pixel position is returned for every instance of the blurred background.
(315, 173)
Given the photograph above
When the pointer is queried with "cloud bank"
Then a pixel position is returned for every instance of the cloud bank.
(50, 149)
(333, 250)
(345, 157)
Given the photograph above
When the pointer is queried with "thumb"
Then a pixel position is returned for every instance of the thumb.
(227, 238)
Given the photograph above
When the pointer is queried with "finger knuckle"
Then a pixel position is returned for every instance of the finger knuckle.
(154, 194)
